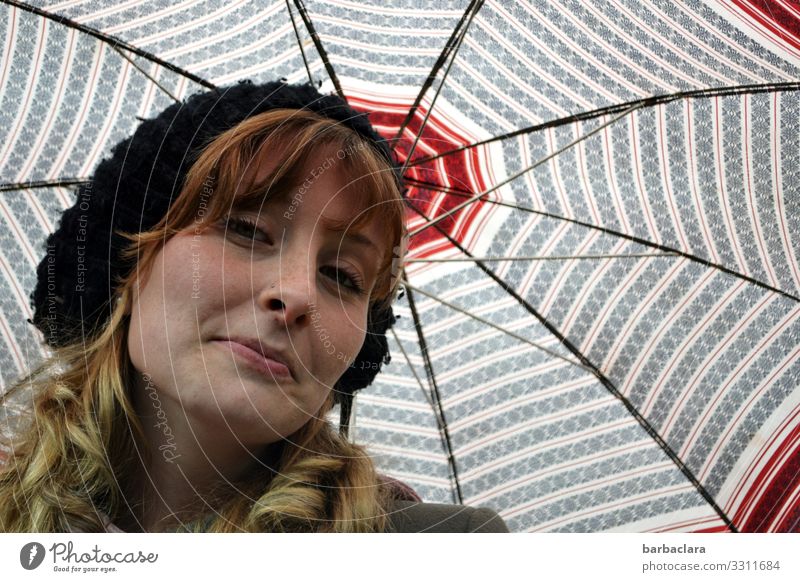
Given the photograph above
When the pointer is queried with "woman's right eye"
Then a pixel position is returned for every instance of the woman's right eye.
(248, 228)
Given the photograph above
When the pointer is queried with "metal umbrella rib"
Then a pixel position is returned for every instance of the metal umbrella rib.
(436, 400)
(602, 378)
(472, 10)
(668, 296)
(60, 183)
(620, 108)
(114, 42)
(668, 251)
(318, 44)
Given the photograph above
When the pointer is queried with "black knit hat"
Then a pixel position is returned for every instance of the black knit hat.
(132, 190)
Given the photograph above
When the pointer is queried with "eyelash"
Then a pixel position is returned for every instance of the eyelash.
(355, 279)
(252, 228)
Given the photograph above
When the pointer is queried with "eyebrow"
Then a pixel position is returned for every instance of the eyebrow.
(351, 236)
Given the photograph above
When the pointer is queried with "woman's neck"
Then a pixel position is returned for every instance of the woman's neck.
(190, 468)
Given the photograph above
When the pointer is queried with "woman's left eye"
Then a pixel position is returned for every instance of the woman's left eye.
(248, 228)
(348, 280)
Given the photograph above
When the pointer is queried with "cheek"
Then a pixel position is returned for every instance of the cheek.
(161, 306)
(352, 332)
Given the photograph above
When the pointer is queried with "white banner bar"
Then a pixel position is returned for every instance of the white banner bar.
(401, 558)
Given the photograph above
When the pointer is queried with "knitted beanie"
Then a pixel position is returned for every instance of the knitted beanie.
(132, 190)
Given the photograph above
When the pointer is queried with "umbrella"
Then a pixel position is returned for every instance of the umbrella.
(600, 327)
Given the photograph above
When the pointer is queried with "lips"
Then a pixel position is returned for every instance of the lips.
(270, 362)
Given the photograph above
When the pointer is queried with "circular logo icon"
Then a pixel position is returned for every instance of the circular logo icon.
(31, 555)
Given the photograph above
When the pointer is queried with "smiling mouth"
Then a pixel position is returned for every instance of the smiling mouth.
(267, 366)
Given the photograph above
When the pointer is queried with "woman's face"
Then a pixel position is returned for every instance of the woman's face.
(245, 326)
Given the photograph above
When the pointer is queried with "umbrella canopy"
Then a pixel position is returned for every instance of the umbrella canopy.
(601, 324)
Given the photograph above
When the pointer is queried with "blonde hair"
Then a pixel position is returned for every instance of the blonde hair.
(68, 465)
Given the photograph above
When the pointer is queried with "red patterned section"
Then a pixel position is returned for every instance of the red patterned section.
(771, 512)
(778, 505)
(782, 19)
(715, 529)
(434, 186)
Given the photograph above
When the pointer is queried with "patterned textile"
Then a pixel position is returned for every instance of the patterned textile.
(626, 354)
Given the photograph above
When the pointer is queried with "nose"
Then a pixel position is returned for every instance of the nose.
(289, 296)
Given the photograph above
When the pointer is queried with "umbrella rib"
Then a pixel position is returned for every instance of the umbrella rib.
(644, 242)
(495, 326)
(301, 8)
(524, 171)
(145, 73)
(448, 47)
(113, 41)
(548, 258)
(416, 376)
(437, 399)
(453, 53)
(612, 109)
(602, 378)
(299, 42)
(60, 183)
(439, 421)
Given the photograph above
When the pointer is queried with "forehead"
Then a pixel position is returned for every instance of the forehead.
(322, 188)
(322, 182)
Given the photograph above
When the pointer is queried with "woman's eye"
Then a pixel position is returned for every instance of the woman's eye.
(347, 280)
(247, 228)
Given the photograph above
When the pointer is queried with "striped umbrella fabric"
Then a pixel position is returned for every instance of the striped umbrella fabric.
(600, 329)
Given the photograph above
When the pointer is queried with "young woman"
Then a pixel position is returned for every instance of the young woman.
(222, 283)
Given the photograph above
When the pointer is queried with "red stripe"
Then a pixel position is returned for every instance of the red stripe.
(721, 392)
(666, 179)
(461, 170)
(9, 43)
(792, 260)
(744, 410)
(14, 133)
(750, 496)
(722, 190)
(774, 496)
(790, 522)
(749, 183)
(774, 17)
(716, 529)
(693, 174)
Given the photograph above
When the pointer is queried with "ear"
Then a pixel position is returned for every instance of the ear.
(123, 300)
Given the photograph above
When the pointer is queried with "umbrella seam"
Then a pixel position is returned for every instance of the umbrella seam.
(632, 238)
(434, 70)
(436, 397)
(111, 40)
(607, 384)
(299, 42)
(472, 10)
(612, 109)
(320, 49)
